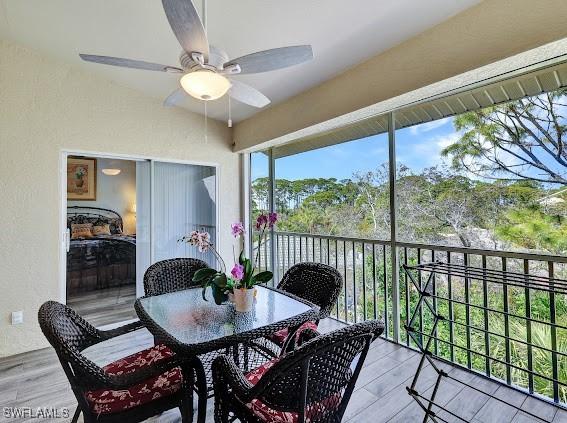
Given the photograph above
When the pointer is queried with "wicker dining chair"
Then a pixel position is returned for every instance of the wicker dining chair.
(315, 282)
(131, 389)
(318, 283)
(313, 383)
(171, 275)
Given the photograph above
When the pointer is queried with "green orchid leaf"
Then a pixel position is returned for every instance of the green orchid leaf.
(219, 295)
(220, 281)
(202, 274)
(263, 277)
(241, 258)
(204, 293)
(230, 283)
(247, 269)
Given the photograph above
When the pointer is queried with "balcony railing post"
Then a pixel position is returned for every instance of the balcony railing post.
(394, 230)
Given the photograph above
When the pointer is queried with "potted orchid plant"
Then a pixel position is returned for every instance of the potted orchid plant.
(243, 277)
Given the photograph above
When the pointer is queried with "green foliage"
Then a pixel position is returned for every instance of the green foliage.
(216, 280)
(519, 140)
(531, 228)
(251, 278)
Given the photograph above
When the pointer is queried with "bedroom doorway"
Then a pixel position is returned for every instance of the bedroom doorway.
(101, 225)
(120, 215)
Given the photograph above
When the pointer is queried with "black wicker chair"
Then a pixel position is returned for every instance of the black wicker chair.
(312, 383)
(171, 275)
(315, 282)
(123, 391)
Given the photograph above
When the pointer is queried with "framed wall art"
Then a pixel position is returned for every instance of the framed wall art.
(81, 178)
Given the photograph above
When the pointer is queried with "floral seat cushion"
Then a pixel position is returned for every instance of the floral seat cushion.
(280, 336)
(106, 401)
(269, 415)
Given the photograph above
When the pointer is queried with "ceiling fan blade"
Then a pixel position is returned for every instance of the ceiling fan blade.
(187, 26)
(175, 98)
(248, 95)
(276, 58)
(128, 63)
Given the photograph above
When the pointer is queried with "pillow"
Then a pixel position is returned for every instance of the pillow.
(81, 230)
(115, 226)
(103, 229)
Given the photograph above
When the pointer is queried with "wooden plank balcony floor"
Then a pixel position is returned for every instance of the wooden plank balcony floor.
(35, 379)
(105, 306)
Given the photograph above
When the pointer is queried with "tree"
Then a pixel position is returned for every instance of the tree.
(532, 229)
(373, 198)
(519, 140)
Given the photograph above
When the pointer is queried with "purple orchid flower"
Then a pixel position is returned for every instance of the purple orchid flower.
(237, 271)
(272, 219)
(261, 221)
(237, 229)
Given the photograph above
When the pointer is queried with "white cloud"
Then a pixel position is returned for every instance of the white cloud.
(445, 141)
(428, 152)
(429, 126)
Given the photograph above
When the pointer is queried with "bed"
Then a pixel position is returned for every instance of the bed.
(99, 261)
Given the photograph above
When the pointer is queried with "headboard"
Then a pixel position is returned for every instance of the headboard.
(85, 214)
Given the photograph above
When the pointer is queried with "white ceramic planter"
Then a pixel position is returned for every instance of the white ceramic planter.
(244, 300)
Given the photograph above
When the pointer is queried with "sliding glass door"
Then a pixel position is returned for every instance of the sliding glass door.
(184, 200)
(173, 200)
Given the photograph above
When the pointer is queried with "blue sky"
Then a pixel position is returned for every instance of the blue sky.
(417, 147)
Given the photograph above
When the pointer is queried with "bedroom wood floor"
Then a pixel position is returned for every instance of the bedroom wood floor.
(36, 379)
(105, 306)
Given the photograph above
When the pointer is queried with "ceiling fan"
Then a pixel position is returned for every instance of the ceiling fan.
(205, 68)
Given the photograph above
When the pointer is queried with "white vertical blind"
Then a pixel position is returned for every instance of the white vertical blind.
(184, 200)
(143, 228)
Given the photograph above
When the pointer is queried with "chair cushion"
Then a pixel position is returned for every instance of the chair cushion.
(106, 401)
(280, 336)
(269, 415)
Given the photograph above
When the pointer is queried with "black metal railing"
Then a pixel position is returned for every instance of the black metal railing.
(510, 329)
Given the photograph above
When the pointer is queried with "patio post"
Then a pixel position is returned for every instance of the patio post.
(394, 256)
(271, 205)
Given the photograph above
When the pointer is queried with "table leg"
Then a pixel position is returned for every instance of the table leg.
(246, 357)
(236, 354)
(201, 384)
(187, 402)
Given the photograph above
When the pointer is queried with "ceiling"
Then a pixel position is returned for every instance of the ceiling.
(342, 33)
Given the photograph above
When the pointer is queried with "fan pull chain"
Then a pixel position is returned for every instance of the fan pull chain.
(229, 111)
(205, 16)
(206, 124)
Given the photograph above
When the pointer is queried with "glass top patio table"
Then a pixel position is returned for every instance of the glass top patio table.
(188, 323)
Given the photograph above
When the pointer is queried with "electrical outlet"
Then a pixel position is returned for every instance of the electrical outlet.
(17, 317)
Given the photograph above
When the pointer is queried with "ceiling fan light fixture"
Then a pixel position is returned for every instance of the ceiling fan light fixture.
(204, 84)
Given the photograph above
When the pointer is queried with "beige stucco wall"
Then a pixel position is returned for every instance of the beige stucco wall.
(45, 107)
(490, 31)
